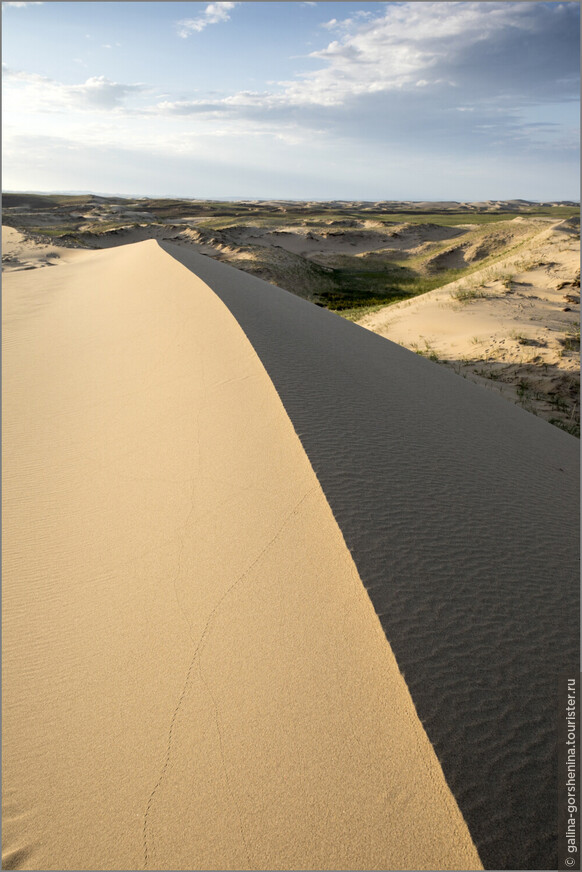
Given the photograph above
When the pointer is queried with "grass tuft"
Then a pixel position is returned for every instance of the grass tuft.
(465, 295)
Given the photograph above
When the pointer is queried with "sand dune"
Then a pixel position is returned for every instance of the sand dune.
(194, 675)
(461, 513)
(203, 474)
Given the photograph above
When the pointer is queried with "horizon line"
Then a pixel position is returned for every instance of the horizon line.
(225, 199)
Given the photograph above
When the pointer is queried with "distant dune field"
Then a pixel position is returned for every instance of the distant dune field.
(491, 289)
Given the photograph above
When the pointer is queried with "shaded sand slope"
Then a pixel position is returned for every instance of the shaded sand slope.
(461, 513)
(194, 676)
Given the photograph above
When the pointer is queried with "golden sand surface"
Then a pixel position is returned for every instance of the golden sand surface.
(193, 674)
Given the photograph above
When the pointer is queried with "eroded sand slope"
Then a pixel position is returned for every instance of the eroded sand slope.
(513, 327)
(194, 676)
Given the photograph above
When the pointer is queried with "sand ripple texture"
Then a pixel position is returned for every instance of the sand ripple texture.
(194, 676)
(461, 514)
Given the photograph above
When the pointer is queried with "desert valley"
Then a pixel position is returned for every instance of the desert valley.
(491, 290)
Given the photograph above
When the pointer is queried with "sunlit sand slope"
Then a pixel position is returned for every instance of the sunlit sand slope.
(194, 676)
(461, 513)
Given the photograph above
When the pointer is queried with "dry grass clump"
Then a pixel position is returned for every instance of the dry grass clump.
(466, 295)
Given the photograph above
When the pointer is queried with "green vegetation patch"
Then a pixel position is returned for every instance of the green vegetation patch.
(55, 231)
(357, 291)
(358, 312)
(453, 219)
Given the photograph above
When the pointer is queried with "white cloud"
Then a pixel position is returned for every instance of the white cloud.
(348, 23)
(215, 13)
(491, 48)
(20, 4)
(100, 92)
(30, 92)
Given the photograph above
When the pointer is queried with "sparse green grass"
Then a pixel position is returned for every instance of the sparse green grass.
(359, 311)
(573, 428)
(217, 214)
(354, 302)
(53, 231)
(559, 403)
(571, 341)
(527, 340)
(99, 227)
(102, 227)
(489, 263)
(446, 219)
(454, 218)
(428, 351)
(466, 295)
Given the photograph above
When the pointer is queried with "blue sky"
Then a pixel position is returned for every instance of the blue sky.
(301, 100)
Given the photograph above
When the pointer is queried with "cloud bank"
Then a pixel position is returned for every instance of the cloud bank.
(456, 88)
